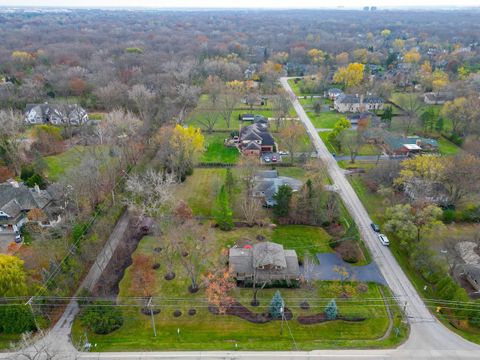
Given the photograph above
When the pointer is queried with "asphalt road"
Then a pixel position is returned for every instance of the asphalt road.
(428, 339)
(428, 335)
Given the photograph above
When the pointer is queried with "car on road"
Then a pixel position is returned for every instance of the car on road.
(383, 239)
(375, 227)
(18, 238)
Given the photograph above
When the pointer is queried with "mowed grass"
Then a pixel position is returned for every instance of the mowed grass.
(216, 151)
(365, 149)
(324, 120)
(303, 239)
(200, 189)
(59, 164)
(446, 147)
(206, 331)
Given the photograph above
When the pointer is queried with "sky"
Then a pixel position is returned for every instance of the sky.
(242, 3)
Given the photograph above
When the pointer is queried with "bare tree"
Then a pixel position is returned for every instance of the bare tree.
(208, 118)
(143, 99)
(10, 126)
(39, 346)
(308, 270)
(150, 193)
(411, 106)
(227, 103)
(192, 243)
(281, 107)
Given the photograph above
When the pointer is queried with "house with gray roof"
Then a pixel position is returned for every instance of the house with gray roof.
(55, 114)
(256, 139)
(398, 145)
(16, 200)
(357, 103)
(268, 182)
(263, 262)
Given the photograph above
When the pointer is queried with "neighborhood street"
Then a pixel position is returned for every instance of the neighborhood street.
(427, 333)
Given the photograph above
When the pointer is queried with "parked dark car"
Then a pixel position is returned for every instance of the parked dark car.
(375, 227)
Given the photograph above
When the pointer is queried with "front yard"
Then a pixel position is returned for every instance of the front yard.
(206, 331)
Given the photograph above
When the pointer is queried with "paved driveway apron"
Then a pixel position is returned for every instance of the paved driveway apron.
(328, 261)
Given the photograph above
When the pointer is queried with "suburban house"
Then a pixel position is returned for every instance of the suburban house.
(357, 103)
(359, 117)
(397, 145)
(55, 114)
(16, 200)
(267, 183)
(440, 98)
(334, 93)
(263, 262)
(255, 139)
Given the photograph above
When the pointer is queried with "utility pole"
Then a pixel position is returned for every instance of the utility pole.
(29, 303)
(149, 305)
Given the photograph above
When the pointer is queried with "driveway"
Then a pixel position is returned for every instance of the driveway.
(328, 261)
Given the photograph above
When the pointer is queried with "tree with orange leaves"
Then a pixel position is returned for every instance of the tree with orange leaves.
(143, 276)
(217, 288)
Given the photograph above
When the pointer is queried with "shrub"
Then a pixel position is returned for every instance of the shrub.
(331, 310)
(349, 251)
(16, 319)
(448, 215)
(102, 317)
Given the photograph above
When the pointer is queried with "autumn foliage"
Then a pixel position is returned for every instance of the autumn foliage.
(217, 287)
(143, 276)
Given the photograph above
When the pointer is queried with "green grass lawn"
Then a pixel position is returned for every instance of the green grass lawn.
(205, 331)
(215, 151)
(200, 189)
(324, 120)
(59, 164)
(303, 239)
(446, 147)
(366, 149)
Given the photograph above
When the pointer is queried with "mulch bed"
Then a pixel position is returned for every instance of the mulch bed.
(177, 313)
(304, 305)
(192, 312)
(169, 276)
(156, 266)
(146, 311)
(245, 313)
(321, 317)
(193, 290)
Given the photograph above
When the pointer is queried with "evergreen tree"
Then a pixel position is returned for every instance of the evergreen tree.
(331, 310)
(282, 197)
(229, 184)
(387, 116)
(277, 305)
(222, 212)
(439, 124)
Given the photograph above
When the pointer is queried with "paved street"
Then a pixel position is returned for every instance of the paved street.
(427, 334)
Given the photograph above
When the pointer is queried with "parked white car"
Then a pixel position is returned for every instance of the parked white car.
(383, 239)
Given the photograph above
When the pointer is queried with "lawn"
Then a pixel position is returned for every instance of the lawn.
(205, 331)
(446, 147)
(216, 152)
(324, 120)
(366, 149)
(302, 239)
(57, 165)
(200, 189)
